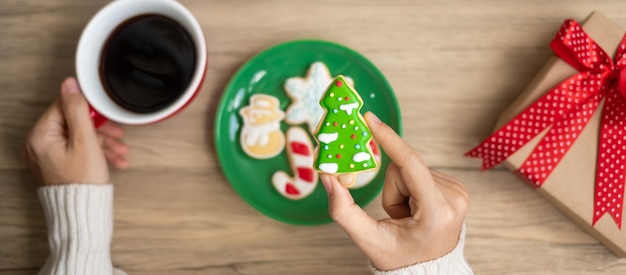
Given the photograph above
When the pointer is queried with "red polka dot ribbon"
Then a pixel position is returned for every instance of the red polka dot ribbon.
(564, 112)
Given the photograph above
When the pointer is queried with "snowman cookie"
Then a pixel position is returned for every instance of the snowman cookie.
(261, 136)
(342, 134)
(305, 93)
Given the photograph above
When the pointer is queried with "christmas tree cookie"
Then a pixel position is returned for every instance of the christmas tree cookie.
(342, 135)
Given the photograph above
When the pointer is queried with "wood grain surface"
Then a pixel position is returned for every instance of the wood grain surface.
(454, 65)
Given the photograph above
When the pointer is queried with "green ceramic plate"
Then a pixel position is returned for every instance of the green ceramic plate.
(266, 73)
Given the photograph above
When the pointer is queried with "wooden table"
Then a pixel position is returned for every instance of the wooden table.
(454, 65)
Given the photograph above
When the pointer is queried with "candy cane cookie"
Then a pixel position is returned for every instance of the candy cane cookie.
(300, 153)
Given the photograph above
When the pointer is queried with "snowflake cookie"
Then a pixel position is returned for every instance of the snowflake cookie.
(305, 93)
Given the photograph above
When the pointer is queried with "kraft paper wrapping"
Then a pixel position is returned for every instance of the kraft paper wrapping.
(571, 185)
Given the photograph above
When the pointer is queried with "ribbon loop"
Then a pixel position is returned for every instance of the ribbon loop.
(575, 47)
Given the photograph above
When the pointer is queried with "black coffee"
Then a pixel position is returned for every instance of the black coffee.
(147, 63)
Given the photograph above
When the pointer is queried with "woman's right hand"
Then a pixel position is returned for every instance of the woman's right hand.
(427, 208)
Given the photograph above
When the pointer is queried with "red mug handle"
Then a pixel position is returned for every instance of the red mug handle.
(97, 118)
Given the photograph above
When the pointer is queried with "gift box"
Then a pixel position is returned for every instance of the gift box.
(566, 133)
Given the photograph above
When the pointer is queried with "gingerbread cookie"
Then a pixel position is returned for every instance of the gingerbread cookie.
(261, 136)
(305, 93)
(300, 153)
(342, 134)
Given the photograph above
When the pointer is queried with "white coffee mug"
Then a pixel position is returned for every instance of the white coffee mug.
(92, 42)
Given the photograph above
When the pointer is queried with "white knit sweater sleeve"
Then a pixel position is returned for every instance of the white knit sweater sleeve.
(451, 263)
(80, 227)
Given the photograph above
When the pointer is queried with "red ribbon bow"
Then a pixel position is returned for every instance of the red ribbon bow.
(566, 109)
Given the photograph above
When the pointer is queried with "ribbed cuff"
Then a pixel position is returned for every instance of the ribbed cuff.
(80, 227)
(451, 263)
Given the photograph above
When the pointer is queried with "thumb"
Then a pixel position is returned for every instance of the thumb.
(76, 111)
(358, 225)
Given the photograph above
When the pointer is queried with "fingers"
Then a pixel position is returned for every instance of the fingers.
(453, 190)
(115, 145)
(397, 200)
(76, 112)
(347, 180)
(415, 173)
(111, 129)
(115, 150)
(116, 160)
(450, 182)
(400, 152)
(357, 224)
(395, 195)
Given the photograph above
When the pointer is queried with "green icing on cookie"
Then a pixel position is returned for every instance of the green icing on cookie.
(342, 134)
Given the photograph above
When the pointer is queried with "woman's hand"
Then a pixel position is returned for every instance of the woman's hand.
(63, 146)
(427, 208)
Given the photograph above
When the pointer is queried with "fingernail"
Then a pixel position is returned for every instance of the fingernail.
(70, 86)
(347, 180)
(328, 185)
(374, 118)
